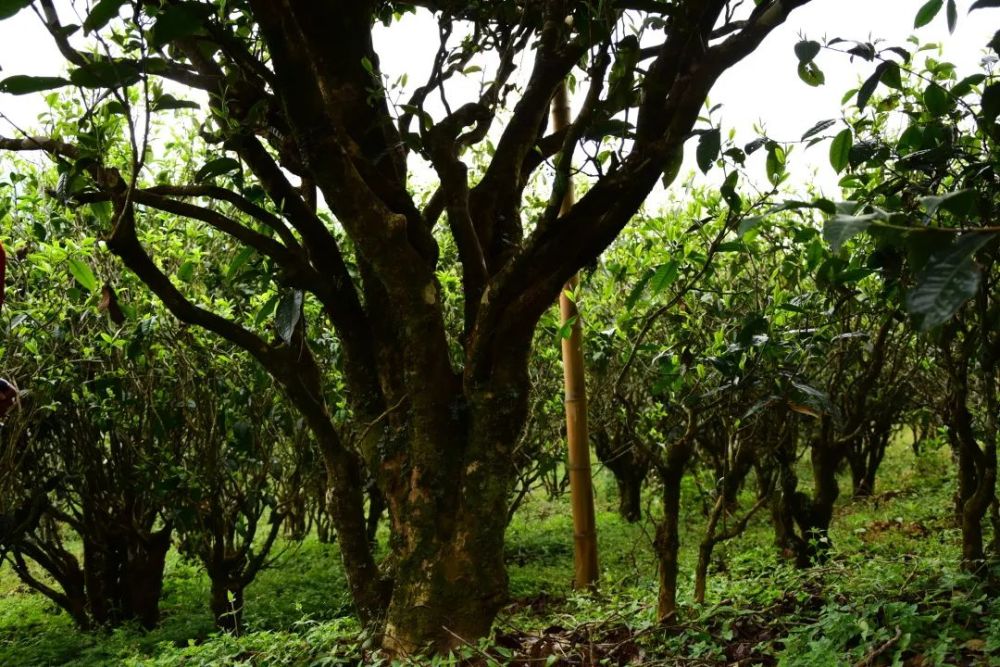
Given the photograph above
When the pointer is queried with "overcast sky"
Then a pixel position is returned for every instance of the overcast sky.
(762, 89)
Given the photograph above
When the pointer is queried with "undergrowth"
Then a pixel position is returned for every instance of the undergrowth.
(889, 593)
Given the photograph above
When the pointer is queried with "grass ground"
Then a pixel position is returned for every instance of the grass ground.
(890, 594)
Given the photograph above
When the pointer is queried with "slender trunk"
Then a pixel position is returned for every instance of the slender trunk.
(577, 438)
(227, 604)
(995, 521)
(973, 555)
(629, 466)
(977, 468)
(705, 550)
(671, 471)
(668, 544)
(827, 454)
(123, 576)
(370, 590)
(859, 476)
(630, 498)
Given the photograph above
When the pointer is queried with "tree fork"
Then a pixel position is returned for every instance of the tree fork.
(577, 440)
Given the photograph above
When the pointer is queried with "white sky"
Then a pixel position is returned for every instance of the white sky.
(762, 89)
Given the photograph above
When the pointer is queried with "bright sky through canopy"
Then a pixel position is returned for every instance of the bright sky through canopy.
(764, 89)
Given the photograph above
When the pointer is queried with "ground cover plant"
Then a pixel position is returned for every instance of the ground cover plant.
(267, 400)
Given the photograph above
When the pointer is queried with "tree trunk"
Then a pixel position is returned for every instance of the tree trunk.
(449, 520)
(827, 455)
(630, 498)
(123, 575)
(629, 465)
(227, 604)
(671, 471)
(144, 577)
(705, 550)
(668, 544)
(449, 590)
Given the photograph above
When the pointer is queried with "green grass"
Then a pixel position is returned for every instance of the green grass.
(891, 584)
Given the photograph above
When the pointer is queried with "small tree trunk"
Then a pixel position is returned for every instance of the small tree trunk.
(826, 456)
(973, 556)
(671, 471)
(995, 520)
(227, 604)
(629, 466)
(668, 545)
(705, 550)
(859, 477)
(144, 577)
(630, 498)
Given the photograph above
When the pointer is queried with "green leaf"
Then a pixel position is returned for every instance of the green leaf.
(238, 262)
(101, 14)
(664, 276)
(964, 87)
(709, 146)
(266, 310)
(891, 76)
(566, 330)
(82, 273)
(807, 50)
(949, 280)
(10, 7)
(984, 4)
(887, 71)
(178, 21)
(958, 203)
(217, 167)
(927, 13)
(937, 100)
(23, 85)
(775, 164)
(748, 224)
(840, 150)
(106, 74)
(952, 16)
(672, 167)
(841, 228)
(991, 103)
(811, 74)
(633, 296)
(168, 102)
(186, 271)
(286, 317)
(821, 126)
(728, 191)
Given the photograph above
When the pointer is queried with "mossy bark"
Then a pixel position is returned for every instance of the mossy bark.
(448, 509)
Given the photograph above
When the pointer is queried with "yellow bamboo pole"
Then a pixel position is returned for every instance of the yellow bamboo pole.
(577, 438)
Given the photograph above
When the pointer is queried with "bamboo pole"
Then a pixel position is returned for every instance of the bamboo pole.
(577, 437)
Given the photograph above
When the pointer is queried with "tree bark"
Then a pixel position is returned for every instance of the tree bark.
(668, 545)
(449, 521)
(227, 605)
